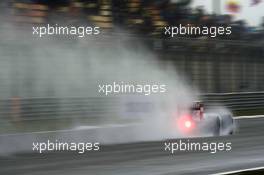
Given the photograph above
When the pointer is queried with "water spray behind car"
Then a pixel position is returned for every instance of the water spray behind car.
(51, 68)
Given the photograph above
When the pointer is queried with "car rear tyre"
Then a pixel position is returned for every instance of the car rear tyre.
(216, 129)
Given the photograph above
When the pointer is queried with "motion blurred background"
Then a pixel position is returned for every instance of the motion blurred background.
(226, 69)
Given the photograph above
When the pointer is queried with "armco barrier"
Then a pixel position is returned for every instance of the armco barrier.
(98, 107)
(236, 101)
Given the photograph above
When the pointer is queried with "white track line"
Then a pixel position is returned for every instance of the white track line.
(239, 171)
(249, 117)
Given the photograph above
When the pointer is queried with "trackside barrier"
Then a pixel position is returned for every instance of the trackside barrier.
(97, 107)
(236, 101)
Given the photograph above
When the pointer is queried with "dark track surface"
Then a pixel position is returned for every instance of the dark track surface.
(147, 157)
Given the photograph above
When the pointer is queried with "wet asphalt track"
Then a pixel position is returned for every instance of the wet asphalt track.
(148, 158)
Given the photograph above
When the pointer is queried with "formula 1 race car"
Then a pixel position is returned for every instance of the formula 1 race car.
(197, 121)
(178, 119)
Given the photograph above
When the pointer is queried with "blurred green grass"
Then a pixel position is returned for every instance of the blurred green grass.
(249, 112)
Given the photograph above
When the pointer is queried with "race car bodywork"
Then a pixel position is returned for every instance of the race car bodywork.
(197, 121)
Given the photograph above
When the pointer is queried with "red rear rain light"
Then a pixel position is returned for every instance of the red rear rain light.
(185, 123)
(188, 124)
